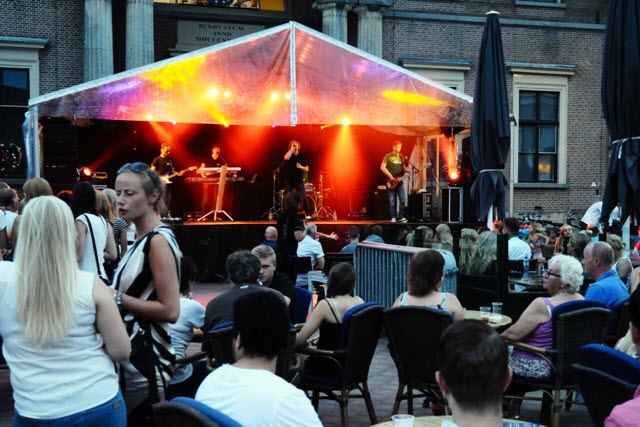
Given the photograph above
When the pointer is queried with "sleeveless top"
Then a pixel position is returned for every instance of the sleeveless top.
(542, 337)
(100, 230)
(67, 377)
(330, 332)
(134, 277)
(441, 306)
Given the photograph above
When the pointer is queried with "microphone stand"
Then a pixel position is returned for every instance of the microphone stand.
(274, 211)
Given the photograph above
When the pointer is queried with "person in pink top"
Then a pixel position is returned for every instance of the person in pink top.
(562, 280)
(628, 414)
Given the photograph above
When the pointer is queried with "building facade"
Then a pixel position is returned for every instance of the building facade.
(552, 49)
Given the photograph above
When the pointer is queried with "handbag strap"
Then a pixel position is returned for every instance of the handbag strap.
(93, 243)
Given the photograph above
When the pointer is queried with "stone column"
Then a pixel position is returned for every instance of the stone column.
(370, 27)
(139, 50)
(98, 39)
(334, 18)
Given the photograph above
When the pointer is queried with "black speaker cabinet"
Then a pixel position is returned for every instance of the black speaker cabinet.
(381, 208)
(420, 207)
(452, 204)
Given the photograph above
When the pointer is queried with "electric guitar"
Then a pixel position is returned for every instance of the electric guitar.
(167, 178)
(392, 184)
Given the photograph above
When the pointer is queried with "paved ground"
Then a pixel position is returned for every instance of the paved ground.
(382, 384)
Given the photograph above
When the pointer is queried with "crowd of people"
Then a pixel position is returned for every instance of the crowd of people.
(110, 318)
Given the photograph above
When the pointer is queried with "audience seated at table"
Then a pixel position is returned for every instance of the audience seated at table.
(484, 261)
(273, 279)
(374, 234)
(61, 327)
(424, 278)
(310, 247)
(186, 379)
(562, 241)
(622, 265)
(518, 249)
(473, 374)
(354, 239)
(328, 314)
(443, 238)
(537, 239)
(270, 237)
(577, 243)
(607, 288)
(249, 391)
(243, 269)
(468, 248)
(497, 227)
(562, 280)
(628, 413)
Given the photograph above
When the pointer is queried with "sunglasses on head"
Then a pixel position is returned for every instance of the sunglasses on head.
(134, 167)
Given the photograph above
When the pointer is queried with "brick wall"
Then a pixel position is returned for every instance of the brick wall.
(62, 23)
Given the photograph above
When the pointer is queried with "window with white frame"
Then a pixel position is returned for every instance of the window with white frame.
(539, 147)
(19, 81)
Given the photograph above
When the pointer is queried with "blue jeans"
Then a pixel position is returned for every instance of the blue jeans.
(402, 195)
(111, 413)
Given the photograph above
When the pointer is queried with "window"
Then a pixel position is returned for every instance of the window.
(538, 137)
(450, 73)
(540, 98)
(275, 5)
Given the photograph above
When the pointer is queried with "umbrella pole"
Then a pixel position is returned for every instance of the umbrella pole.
(511, 166)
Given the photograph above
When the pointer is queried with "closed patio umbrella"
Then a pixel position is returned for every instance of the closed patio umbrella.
(621, 107)
(490, 133)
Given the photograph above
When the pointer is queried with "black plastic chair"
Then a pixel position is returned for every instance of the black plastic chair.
(618, 323)
(575, 324)
(184, 411)
(414, 334)
(303, 300)
(361, 329)
(221, 349)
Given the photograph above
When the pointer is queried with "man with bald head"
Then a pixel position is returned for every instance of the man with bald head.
(608, 288)
(270, 237)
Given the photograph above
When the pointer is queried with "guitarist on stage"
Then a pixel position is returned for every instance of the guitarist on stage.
(394, 165)
(163, 164)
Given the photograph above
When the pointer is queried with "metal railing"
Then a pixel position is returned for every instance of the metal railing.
(382, 271)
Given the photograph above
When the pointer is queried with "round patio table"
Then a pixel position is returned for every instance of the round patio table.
(495, 321)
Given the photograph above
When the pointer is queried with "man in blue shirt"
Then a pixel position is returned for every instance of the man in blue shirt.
(608, 288)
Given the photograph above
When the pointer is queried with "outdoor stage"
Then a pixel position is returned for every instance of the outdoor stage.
(209, 243)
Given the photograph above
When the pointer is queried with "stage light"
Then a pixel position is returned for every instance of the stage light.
(346, 121)
(213, 93)
(287, 95)
(85, 172)
(149, 117)
(454, 176)
(227, 94)
(275, 96)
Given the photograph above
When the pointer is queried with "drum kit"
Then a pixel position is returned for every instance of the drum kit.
(314, 200)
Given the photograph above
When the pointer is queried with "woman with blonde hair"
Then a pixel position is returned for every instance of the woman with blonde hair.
(34, 187)
(443, 238)
(537, 238)
(486, 255)
(147, 283)
(468, 248)
(120, 226)
(577, 243)
(622, 265)
(61, 327)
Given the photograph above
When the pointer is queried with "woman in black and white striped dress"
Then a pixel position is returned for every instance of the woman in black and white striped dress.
(147, 290)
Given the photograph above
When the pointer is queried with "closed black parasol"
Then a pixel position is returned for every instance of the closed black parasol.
(490, 133)
(621, 107)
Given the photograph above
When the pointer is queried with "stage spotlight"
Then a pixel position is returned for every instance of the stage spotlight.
(454, 176)
(149, 117)
(85, 173)
(212, 93)
(227, 94)
(275, 96)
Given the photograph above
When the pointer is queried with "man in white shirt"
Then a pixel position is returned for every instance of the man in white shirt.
(249, 391)
(310, 247)
(518, 249)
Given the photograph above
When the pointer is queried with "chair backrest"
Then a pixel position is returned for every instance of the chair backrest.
(601, 391)
(346, 322)
(364, 331)
(332, 258)
(611, 361)
(301, 265)
(303, 299)
(220, 348)
(213, 414)
(283, 363)
(414, 336)
(575, 324)
(616, 312)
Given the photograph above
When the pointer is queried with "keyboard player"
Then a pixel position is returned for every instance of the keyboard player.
(210, 189)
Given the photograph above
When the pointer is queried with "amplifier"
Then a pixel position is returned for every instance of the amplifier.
(420, 207)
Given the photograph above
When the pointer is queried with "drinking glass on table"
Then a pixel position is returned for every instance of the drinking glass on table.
(484, 314)
(497, 311)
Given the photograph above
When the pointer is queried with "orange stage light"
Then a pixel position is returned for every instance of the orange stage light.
(85, 172)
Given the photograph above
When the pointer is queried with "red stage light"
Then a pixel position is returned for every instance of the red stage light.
(86, 172)
(453, 176)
